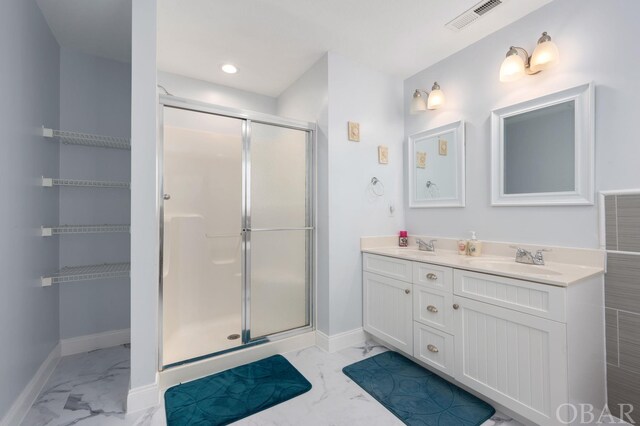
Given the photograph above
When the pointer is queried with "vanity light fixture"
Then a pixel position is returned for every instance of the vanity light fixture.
(518, 62)
(229, 68)
(435, 99)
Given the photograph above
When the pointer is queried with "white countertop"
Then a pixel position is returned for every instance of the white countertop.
(585, 263)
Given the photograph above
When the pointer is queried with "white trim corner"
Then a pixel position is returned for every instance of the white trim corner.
(21, 406)
(91, 342)
(143, 397)
(340, 341)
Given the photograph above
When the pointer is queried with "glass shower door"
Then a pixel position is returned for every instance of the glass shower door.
(202, 238)
(279, 232)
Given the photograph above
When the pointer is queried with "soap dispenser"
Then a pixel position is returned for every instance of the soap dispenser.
(474, 247)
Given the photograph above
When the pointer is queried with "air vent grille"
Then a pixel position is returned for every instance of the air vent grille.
(473, 14)
(485, 7)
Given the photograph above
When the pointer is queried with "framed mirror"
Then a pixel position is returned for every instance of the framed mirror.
(543, 150)
(436, 167)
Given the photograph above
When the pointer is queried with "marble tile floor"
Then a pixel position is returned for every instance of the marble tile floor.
(91, 388)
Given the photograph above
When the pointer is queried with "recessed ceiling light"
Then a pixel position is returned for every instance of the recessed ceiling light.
(229, 68)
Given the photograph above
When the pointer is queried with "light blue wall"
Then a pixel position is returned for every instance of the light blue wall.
(95, 97)
(373, 99)
(29, 88)
(334, 91)
(145, 223)
(204, 91)
(597, 42)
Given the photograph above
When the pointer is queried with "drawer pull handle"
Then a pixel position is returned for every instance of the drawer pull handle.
(431, 276)
(407, 291)
(433, 349)
(456, 306)
(432, 308)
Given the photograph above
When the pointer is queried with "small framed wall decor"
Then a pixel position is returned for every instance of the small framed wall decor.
(353, 131)
(383, 154)
(442, 147)
(421, 160)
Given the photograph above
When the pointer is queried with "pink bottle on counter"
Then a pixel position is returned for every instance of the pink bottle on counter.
(403, 239)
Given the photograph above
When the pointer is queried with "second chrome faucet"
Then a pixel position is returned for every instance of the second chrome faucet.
(426, 246)
(529, 258)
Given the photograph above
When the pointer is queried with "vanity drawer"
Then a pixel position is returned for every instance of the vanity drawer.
(388, 266)
(433, 347)
(433, 276)
(433, 308)
(542, 300)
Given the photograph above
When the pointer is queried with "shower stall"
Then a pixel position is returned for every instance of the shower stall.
(237, 231)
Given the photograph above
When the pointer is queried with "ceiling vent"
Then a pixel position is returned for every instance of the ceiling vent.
(473, 14)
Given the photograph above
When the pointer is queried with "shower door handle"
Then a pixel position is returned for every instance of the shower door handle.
(304, 228)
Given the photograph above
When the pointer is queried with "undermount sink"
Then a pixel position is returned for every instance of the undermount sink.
(512, 266)
(408, 252)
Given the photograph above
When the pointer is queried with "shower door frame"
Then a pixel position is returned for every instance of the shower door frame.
(247, 118)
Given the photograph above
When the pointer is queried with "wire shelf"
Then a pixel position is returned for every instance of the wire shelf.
(49, 182)
(48, 231)
(87, 139)
(86, 273)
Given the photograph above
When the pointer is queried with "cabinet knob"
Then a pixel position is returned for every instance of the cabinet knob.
(431, 276)
(456, 306)
(407, 291)
(166, 196)
(433, 348)
(432, 308)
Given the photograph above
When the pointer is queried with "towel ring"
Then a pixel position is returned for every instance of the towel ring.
(377, 187)
(431, 189)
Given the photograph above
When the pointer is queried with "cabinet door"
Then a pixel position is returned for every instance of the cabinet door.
(387, 311)
(518, 360)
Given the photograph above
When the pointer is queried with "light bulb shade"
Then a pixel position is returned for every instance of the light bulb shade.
(544, 56)
(436, 99)
(512, 68)
(417, 103)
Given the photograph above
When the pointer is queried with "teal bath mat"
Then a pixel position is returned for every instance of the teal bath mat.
(231, 395)
(415, 395)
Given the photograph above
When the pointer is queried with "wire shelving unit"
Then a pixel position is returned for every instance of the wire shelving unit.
(87, 139)
(49, 182)
(86, 273)
(48, 231)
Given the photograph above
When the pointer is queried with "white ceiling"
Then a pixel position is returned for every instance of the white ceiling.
(97, 27)
(273, 42)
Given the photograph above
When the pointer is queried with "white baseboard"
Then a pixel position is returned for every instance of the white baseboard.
(143, 397)
(27, 397)
(340, 341)
(91, 342)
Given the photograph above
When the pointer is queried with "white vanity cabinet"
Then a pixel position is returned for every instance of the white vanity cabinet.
(388, 303)
(529, 347)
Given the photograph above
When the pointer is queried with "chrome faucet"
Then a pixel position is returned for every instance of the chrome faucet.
(525, 256)
(426, 246)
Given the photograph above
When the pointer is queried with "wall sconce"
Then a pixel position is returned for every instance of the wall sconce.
(435, 99)
(518, 62)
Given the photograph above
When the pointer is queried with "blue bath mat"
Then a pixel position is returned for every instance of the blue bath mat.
(231, 395)
(415, 395)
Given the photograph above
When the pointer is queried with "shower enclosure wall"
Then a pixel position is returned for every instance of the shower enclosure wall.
(237, 235)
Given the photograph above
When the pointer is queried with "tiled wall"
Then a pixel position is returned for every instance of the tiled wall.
(622, 301)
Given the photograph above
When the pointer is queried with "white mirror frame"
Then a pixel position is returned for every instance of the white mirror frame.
(458, 129)
(583, 194)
